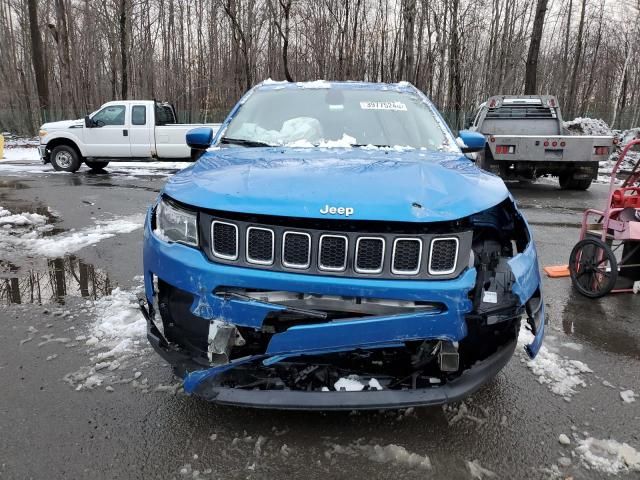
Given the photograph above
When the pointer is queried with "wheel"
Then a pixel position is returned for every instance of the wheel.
(95, 165)
(567, 182)
(483, 159)
(593, 268)
(65, 159)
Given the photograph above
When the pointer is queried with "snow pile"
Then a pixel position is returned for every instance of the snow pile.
(561, 374)
(608, 456)
(24, 218)
(70, 242)
(118, 318)
(317, 84)
(588, 126)
(23, 234)
(115, 336)
(392, 453)
(628, 396)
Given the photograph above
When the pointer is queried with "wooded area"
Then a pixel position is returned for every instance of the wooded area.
(63, 58)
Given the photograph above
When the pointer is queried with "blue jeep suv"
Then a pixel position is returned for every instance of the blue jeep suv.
(335, 249)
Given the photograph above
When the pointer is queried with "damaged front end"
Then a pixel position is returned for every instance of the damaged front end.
(342, 335)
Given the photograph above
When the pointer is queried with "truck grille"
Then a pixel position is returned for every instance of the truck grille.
(329, 252)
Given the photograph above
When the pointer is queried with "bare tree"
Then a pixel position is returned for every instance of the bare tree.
(534, 48)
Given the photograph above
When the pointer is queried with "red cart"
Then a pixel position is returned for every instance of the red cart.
(607, 257)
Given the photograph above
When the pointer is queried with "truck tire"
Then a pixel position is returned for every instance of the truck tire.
(567, 182)
(65, 159)
(96, 165)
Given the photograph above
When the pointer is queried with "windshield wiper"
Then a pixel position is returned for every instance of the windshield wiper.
(244, 142)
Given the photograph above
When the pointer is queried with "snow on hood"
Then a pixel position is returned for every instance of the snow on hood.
(62, 124)
(386, 185)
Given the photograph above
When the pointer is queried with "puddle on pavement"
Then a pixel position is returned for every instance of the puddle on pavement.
(610, 323)
(51, 280)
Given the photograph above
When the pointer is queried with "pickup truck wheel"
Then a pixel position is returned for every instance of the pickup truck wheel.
(567, 182)
(96, 166)
(65, 159)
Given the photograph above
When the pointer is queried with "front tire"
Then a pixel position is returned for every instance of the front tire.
(65, 159)
(96, 166)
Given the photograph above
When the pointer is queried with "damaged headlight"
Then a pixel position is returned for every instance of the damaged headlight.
(175, 224)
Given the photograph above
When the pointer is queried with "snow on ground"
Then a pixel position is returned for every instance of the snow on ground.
(393, 454)
(26, 234)
(628, 396)
(562, 375)
(608, 456)
(115, 337)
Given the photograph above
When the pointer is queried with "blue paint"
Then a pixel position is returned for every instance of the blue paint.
(473, 140)
(275, 181)
(199, 138)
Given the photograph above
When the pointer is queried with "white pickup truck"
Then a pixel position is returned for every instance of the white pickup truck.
(122, 130)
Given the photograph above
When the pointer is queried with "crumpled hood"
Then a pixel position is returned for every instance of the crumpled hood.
(388, 185)
(62, 124)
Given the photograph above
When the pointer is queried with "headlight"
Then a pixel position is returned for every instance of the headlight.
(42, 133)
(175, 224)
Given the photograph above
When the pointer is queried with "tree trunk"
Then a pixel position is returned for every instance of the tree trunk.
(124, 56)
(534, 49)
(37, 60)
(576, 64)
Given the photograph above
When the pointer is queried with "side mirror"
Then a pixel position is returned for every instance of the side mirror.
(199, 139)
(88, 122)
(470, 142)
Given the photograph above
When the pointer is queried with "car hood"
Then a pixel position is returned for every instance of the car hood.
(62, 124)
(388, 185)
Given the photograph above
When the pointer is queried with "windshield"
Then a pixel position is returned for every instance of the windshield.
(336, 117)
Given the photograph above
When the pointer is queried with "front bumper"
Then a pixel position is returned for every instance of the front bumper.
(189, 270)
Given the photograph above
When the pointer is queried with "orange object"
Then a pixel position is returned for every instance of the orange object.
(557, 271)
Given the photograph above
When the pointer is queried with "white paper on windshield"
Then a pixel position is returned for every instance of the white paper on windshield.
(397, 106)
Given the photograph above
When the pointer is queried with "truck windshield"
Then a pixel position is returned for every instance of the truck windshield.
(336, 117)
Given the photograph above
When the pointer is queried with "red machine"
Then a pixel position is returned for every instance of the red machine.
(607, 257)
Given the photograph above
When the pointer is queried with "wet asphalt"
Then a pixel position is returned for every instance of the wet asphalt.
(510, 427)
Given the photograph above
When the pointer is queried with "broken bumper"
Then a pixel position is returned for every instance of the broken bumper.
(189, 270)
(469, 382)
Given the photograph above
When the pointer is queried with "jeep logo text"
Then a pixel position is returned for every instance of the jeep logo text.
(327, 210)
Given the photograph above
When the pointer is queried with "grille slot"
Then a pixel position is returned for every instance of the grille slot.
(333, 253)
(407, 254)
(369, 255)
(260, 245)
(296, 250)
(443, 256)
(224, 240)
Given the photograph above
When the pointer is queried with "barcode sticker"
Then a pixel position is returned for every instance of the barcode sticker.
(490, 297)
(396, 106)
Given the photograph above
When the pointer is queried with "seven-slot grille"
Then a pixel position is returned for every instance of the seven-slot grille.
(384, 255)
